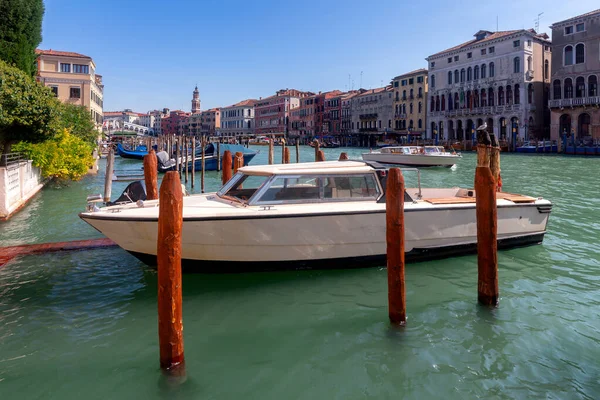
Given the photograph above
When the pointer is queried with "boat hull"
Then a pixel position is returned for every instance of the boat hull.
(137, 154)
(324, 240)
(414, 160)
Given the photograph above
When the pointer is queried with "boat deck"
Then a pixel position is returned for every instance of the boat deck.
(515, 198)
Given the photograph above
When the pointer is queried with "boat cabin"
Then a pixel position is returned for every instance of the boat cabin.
(311, 182)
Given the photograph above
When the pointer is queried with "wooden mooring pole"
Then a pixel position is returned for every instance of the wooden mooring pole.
(110, 160)
(317, 149)
(178, 155)
(297, 150)
(286, 155)
(487, 224)
(271, 152)
(170, 317)
(202, 167)
(151, 175)
(283, 147)
(238, 162)
(394, 212)
(185, 143)
(218, 156)
(193, 160)
(226, 176)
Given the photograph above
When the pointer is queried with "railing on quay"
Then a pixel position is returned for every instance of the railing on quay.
(9, 159)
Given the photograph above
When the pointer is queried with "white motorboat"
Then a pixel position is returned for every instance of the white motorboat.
(416, 156)
(315, 215)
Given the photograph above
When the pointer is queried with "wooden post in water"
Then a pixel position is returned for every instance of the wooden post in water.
(178, 156)
(394, 232)
(110, 160)
(495, 161)
(193, 159)
(218, 156)
(297, 150)
(283, 147)
(317, 149)
(185, 143)
(487, 224)
(226, 167)
(343, 156)
(320, 156)
(238, 162)
(170, 317)
(150, 175)
(286, 155)
(271, 152)
(202, 167)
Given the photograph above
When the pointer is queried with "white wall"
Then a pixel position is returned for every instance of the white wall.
(18, 183)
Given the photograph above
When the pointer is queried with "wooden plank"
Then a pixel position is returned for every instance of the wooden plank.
(451, 200)
(516, 198)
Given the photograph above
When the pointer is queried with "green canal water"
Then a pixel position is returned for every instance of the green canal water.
(84, 325)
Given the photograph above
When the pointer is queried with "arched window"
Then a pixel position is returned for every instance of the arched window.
(483, 98)
(509, 95)
(556, 95)
(404, 108)
(476, 98)
(420, 124)
(580, 87)
(411, 108)
(568, 56)
(432, 81)
(491, 101)
(593, 86)
(580, 53)
(420, 92)
(456, 101)
(529, 64)
(583, 125)
(476, 72)
(412, 94)
(404, 95)
(483, 70)
(568, 88)
(516, 65)
(546, 69)
(432, 104)
(397, 109)
(397, 96)
(517, 94)
(462, 75)
(420, 107)
(500, 96)
(530, 93)
(469, 74)
(410, 124)
(437, 103)
(456, 76)
(443, 103)
(492, 71)
(449, 77)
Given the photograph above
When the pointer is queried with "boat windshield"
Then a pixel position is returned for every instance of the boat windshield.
(241, 187)
(432, 150)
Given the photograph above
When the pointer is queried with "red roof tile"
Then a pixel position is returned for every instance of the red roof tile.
(60, 53)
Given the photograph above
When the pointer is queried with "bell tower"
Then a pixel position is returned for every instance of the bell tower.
(196, 101)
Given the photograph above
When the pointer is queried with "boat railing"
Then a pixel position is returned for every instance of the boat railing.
(419, 195)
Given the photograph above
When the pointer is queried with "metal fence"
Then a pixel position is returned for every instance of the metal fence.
(11, 159)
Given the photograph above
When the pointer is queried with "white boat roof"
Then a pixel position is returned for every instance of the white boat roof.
(311, 168)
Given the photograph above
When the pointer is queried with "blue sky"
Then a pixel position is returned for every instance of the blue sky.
(152, 53)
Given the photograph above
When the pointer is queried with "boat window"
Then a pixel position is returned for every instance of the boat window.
(351, 187)
(291, 189)
(242, 187)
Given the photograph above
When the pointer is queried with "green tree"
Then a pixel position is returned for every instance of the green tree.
(21, 32)
(63, 157)
(28, 111)
(78, 121)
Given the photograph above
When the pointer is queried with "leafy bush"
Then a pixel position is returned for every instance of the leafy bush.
(63, 157)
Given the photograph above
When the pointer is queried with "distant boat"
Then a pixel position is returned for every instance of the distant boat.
(210, 157)
(416, 156)
(543, 147)
(137, 154)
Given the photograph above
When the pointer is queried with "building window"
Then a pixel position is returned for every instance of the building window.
(476, 72)
(419, 79)
(449, 60)
(432, 81)
(483, 71)
(433, 64)
(449, 77)
(455, 58)
(455, 76)
(469, 55)
(580, 27)
(54, 90)
(65, 67)
(516, 65)
(411, 81)
(568, 88)
(568, 30)
(492, 72)
(81, 69)
(568, 59)
(592, 86)
(516, 43)
(546, 69)
(491, 50)
(483, 52)
(396, 84)
(500, 96)
(529, 43)
(517, 94)
(580, 87)
(491, 97)
(462, 75)
(530, 92)
(75, 93)
(580, 53)
(469, 74)
(420, 124)
(420, 107)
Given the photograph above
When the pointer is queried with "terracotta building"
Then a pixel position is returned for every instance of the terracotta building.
(210, 121)
(173, 124)
(575, 100)
(271, 114)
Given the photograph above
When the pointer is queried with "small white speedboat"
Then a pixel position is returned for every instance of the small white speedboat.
(414, 156)
(315, 215)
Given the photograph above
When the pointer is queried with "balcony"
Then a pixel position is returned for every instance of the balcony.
(368, 116)
(578, 101)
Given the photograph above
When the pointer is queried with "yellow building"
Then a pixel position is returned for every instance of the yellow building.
(73, 79)
(410, 102)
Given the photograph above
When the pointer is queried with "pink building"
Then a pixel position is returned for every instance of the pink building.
(171, 125)
(272, 114)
